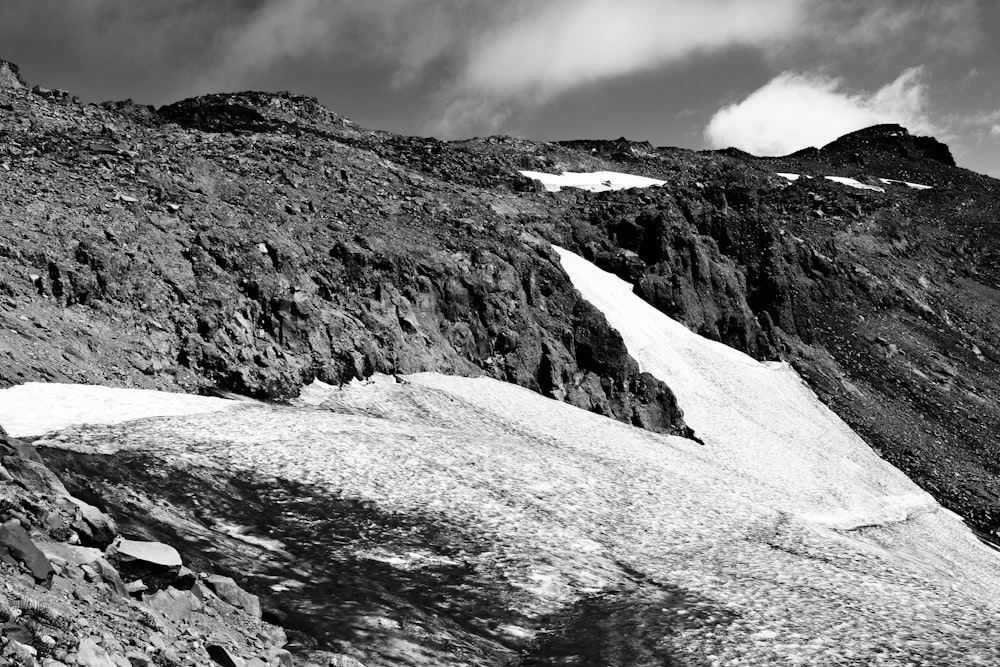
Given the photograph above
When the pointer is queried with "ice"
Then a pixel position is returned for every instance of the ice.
(596, 181)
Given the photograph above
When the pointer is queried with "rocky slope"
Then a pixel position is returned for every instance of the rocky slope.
(253, 242)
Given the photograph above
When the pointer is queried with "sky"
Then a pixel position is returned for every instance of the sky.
(767, 76)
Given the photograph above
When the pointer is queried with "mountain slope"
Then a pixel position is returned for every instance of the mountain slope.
(443, 520)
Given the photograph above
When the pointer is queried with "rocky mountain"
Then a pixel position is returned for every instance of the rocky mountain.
(253, 243)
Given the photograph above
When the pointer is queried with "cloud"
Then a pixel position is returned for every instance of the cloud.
(891, 25)
(794, 111)
(568, 43)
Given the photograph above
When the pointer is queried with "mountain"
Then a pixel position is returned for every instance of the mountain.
(258, 245)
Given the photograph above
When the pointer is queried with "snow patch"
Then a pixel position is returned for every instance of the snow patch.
(915, 186)
(854, 183)
(595, 181)
(36, 408)
(790, 177)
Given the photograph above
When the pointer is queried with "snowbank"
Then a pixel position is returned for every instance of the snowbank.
(854, 183)
(35, 408)
(597, 181)
(760, 420)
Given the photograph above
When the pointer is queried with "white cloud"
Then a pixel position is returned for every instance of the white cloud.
(568, 43)
(995, 131)
(795, 111)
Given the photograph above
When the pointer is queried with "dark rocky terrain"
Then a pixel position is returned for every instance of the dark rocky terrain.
(252, 242)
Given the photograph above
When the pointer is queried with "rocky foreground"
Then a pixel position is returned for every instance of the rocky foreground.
(77, 593)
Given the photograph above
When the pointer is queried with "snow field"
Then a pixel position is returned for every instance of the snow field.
(597, 181)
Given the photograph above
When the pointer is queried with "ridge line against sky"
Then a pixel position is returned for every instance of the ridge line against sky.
(767, 76)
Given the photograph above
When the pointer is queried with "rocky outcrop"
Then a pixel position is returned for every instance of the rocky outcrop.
(277, 246)
(128, 603)
(10, 76)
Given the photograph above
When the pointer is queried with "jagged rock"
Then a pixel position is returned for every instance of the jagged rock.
(17, 547)
(157, 564)
(70, 554)
(17, 653)
(139, 659)
(110, 576)
(229, 591)
(185, 580)
(91, 654)
(278, 657)
(17, 632)
(34, 476)
(94, 527)
(223, 656)
(175, 604)
(10, 76)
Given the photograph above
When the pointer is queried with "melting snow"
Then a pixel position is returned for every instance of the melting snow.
(790, 177)
(597, 181)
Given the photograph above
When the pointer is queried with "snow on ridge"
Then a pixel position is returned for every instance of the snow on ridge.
(36, 408)
(915, 186)
(854, 183)
(595, 181)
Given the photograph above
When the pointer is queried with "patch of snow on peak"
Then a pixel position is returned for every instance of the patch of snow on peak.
(787, 176)
(36, 408)
(854, 183)
(596, 181)
(915, 186)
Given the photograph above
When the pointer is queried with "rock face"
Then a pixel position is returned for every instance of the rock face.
(16, 547)
(10, 76)
(268, 242)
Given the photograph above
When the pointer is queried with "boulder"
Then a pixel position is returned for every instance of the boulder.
(229, 591)
(278, 657)
(34, 476)
(17, 548)
(90, 654)
(222, 655)
(175, 604)
(157, 564)
(69, 554)
(95, 528)
(110, 576)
